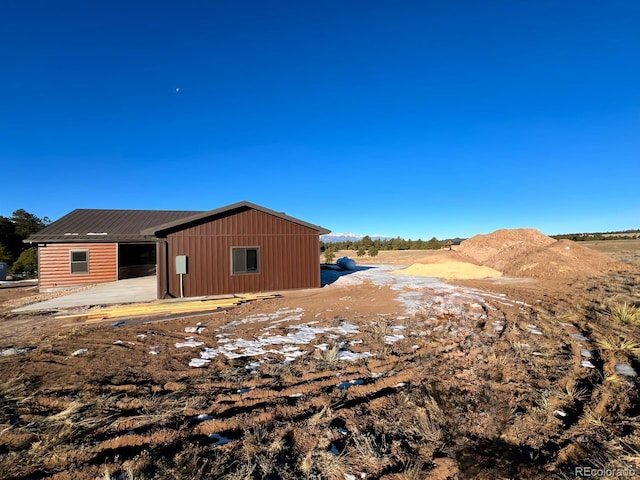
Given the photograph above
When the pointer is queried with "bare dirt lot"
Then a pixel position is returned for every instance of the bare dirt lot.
(374, 376)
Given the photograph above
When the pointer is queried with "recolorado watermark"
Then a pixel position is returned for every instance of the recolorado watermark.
(586, 472)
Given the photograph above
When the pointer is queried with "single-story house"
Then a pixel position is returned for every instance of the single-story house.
(239, 248)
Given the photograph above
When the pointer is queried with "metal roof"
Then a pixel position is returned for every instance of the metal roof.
(205, 216)
(95, 225)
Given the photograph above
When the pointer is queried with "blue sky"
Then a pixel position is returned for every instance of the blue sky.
(413, 118)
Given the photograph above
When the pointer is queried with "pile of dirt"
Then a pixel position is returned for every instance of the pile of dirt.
(498, 249)
(527, 252)
(562, 258)
(440, 256)
(449, 269)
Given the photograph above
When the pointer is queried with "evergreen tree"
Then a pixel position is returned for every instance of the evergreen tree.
(329, 254)
(27, 263)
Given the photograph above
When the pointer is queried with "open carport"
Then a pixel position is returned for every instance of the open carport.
(142, 289)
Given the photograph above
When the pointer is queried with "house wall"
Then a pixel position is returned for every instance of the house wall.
(289, 255)
(55, 271)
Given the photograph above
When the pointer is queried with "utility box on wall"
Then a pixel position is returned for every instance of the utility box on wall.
(181, 264)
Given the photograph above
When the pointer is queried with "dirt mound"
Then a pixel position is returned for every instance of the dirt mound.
(562, 258)
(439, 256)
(497, 249)
(526, 252)
(450, 269)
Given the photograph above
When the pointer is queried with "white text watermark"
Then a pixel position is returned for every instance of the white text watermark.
(604, 472)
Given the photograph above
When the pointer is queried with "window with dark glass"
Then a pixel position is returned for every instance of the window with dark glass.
(245, 260)
(79, 261)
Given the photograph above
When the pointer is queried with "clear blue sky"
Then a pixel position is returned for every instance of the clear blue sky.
(412, 118)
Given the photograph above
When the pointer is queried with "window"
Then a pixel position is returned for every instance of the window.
(245, 260)
(79, 261)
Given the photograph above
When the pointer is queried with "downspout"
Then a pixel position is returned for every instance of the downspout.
(166, 271)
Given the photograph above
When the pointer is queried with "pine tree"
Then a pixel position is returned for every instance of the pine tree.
(27, 263)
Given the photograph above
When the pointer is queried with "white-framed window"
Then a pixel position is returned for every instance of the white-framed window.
(245, 260)
(79, 261)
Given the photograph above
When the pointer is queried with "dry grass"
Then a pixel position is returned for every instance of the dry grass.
(624, 313)
(465, 403)
(622, 346)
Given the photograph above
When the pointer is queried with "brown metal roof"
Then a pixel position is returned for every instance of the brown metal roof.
(199, 217)
(94, 225)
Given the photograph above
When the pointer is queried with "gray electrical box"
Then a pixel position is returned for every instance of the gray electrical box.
(181, 264)
(3, 271)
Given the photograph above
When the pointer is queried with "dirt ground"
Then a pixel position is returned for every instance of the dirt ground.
(497, 378)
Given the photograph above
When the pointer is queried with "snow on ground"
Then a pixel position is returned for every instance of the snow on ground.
(262, 345)
(417, 294)
(422, 294)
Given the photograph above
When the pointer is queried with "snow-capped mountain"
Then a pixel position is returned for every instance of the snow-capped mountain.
(348, 237)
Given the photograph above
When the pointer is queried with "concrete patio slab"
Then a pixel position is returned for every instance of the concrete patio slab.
(143, 289)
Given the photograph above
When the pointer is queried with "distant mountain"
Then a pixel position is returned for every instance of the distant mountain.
(348, 237)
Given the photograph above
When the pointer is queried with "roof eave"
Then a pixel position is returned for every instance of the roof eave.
(160, 229)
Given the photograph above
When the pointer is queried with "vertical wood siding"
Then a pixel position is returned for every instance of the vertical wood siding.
(289, 255)
(55, 271)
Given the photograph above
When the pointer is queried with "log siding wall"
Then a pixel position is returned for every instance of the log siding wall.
(55, 269)
(289, 255)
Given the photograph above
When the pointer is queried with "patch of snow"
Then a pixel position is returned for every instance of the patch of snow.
(351, 356)
(202, 417)
(198, 362)
(254, 365)
(534, 329)
(626, 370)
(392, 338)
(197, 330)
(189, 342)
(587, 364)
(579, 337)
(80, 351)
(7, 352)
(585, 353)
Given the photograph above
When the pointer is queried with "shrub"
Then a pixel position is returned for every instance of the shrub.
(624, 313)
(329, 254)
(27, 263)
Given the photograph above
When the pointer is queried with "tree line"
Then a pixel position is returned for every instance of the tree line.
(366, 245)
(599, 236)
(20, 257)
